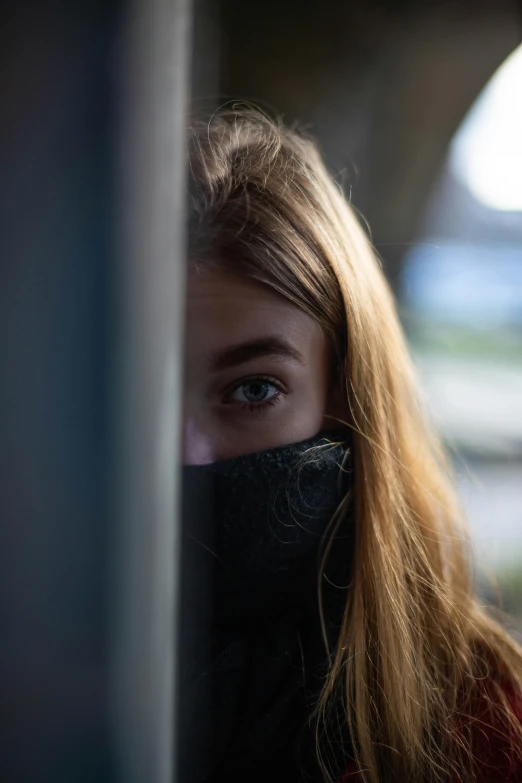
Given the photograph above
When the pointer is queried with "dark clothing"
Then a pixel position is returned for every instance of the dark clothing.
(253, 657)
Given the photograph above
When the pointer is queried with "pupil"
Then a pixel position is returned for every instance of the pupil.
(256, 391)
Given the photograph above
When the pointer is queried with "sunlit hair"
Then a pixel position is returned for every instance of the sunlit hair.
(416, 651)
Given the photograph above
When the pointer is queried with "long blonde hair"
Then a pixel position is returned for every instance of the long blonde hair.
(415, 649)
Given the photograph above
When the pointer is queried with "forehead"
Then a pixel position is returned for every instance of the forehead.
(224, 308)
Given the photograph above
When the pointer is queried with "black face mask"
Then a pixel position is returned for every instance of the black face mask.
(252, 654)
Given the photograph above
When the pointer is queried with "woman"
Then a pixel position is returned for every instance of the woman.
(297, 369)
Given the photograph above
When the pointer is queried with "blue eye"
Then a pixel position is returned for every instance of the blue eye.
(256, 390)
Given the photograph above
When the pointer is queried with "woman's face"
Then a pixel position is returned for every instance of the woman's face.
(256, 370)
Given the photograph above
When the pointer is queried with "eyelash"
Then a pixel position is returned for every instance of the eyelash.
(256, 407)
(260, 407)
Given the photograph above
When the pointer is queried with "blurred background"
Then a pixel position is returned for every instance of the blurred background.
(417, 107)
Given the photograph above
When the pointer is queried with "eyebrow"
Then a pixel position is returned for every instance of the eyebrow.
(267, 347)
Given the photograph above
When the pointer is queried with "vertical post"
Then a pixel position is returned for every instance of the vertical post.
(56, 264)
(155, 75)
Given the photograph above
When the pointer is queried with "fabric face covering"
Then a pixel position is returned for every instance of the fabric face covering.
(251, 649)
